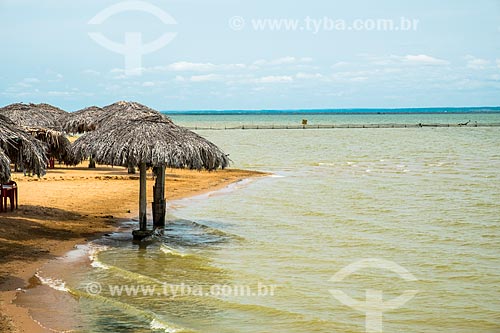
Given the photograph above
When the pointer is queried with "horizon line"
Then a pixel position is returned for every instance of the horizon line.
(439, 109)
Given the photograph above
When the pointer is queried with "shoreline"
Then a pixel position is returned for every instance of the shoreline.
(78, 221)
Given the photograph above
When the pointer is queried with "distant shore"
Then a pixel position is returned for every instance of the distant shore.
(70, 206)
(341, 111)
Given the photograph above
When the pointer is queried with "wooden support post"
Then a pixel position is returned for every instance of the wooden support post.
(159, 202)
(131, 169)
(91, 162)
(142, 198)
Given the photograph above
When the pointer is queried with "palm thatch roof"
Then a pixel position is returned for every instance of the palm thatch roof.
(59, 147)
(91, 118)
(84, 120)
(56, 112)
(4, 167)
(124, 110)
(154, 140)
(37, 115)
(22, 148)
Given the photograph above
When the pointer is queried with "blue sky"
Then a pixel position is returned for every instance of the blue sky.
(221, 59)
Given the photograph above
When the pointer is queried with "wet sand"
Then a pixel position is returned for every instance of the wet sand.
(69, 206)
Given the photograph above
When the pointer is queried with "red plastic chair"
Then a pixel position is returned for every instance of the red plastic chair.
(8, 190)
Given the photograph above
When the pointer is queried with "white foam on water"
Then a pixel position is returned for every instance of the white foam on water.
(277, 176)
(157, 325)
(94, 250)
(50, 329)
(76, 254)
(56, 284)
(171, 251)
(98, 264)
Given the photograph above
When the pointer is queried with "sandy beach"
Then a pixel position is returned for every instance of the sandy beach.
(70, 206)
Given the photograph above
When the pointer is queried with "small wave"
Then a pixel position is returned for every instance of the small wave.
(326, 164)
(187, 234)
(98, 264)
(134, 276)
(171, 251)
(156, 322)
(94, 251)
(157, 325)
(56, 284)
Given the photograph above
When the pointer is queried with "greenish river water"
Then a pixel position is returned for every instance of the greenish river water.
(415, 209)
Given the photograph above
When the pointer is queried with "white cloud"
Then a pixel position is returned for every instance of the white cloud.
(190, 66)
(31, 80)
(358, 79)
(409, 59)
(423, 59)
(274, 79)
(498, 63)
(91, 72)
(288, 60)
(56, 77)
(184, 66)
(476, 63)
(340, 64)
(307, 76)
(23, 85)
(120, 77)
(60, 93)
(148, 84)
(206, 78)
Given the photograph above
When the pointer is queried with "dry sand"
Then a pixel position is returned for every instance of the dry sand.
(69, 206)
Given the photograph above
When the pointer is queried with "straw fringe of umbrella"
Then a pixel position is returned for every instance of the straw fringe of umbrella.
(59, 147)
(44, 122)
(4, 167)
(21, 148)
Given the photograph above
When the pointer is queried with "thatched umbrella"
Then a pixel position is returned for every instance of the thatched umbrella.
(124, 110)
(91, 118)
(44, 122)
(151, 141)
(59, 114)
(4, 167)
(84, 120)
(22, 148)
(35, 115)
(59, 147)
